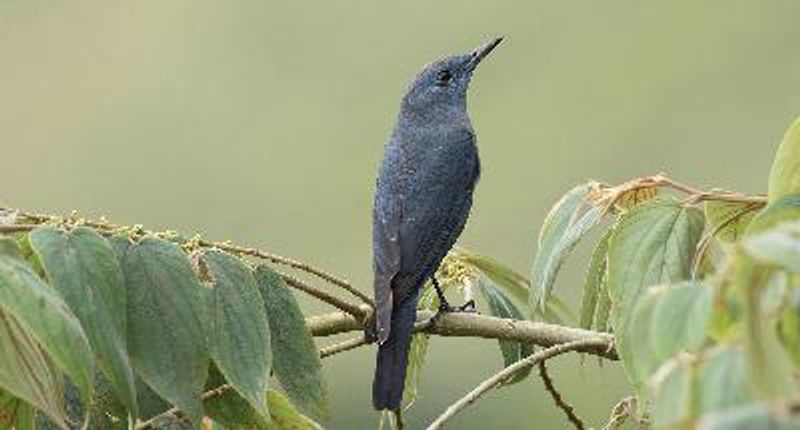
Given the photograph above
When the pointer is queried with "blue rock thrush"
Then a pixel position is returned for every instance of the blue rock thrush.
(423, 198)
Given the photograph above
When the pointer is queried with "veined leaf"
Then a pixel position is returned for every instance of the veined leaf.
(230, 409)
(766, 359)
(82, 266)
(26, 373)
(502, 306)
(729, 220)
(653, 244)
(238, 328)
(46, 317)
(568, 221)
(667, 320)
(166, 335)
(285, 416)
(784, 178)
(594, 281)
(601, 315)
(295, 357)
(16, 413)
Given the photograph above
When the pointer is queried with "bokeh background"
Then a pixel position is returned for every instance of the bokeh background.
(263, 122)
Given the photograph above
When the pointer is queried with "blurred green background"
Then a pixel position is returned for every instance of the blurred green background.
(263, 122)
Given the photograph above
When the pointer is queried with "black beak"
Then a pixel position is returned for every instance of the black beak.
(479, 54)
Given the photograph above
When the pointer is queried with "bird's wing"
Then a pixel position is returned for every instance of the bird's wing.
(438, 207)
(386, 220)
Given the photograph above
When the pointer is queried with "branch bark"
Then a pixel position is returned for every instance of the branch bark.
(483, 326)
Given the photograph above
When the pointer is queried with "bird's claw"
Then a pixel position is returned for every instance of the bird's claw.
(468, 307)
(446, 308)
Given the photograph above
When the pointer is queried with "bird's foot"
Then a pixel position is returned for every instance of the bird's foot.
(468, 307)
(447, 308)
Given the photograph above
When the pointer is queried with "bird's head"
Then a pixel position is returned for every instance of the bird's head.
(443, 84)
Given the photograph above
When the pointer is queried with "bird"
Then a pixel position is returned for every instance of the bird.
(422, 201)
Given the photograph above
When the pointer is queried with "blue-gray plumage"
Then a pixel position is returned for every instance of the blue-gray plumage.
(422, 201)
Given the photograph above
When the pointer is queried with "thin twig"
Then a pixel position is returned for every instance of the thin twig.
(346, 345)
(177, 413)
(295, 264)
(107, 228)
(569, 411)
(504, 374)
(356, 311)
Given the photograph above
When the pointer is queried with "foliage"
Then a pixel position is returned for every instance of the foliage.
(80, 304)
(105, 326)
(707, 341)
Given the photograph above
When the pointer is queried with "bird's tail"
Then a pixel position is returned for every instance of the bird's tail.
(390, 370)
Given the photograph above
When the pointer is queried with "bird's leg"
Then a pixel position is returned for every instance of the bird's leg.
(444, 305)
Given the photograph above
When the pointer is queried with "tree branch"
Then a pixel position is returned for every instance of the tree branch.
(501, 376)
(484, 326)
(346, 345)
(563, 405)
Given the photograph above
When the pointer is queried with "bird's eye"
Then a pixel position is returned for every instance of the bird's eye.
(443, 77)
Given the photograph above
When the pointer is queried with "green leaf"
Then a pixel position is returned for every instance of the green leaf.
(82, 266)
(668, 320)
(782, 210)
(513, 283)
(767, 360)
(238, 329)
(45, 316)
(729, 220)
(285, 416)
(722, 381)
(653, 244)
(789, 328)
(502, 306)
(10, 248)
(25, 371)
(784, 178)
(228, 408)
(166, 336)
(594, 281)
(750, 417)
(417, 352)
(568, 221)
(672, 396)
(601, 315)
(295, 357)
(16, 413)
(779, 246)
